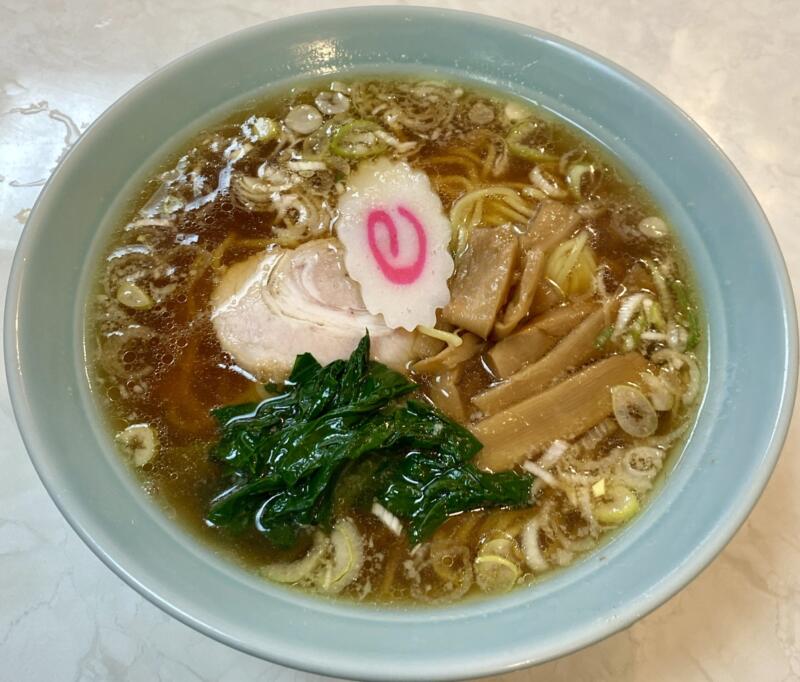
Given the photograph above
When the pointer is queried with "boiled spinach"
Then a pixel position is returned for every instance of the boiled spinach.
(290, 456)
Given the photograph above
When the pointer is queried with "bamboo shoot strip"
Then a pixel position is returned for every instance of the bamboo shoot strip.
(519, 306)
(531, 342)
(482, 280)
(564, 411)
(571, 352)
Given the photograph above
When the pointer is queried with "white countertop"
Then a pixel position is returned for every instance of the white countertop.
(731, 64)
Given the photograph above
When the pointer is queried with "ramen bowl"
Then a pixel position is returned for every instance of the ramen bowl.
(710, 489)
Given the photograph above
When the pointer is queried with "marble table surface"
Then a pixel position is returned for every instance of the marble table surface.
(731, 64)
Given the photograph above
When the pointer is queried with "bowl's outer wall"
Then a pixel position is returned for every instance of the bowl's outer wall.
(748, 304)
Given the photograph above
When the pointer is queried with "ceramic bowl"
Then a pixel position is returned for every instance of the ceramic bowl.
(714, 484)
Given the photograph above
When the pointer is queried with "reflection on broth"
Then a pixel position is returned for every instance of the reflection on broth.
(395, 340)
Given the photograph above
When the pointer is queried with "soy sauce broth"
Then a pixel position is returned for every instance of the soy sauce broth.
(162, 364)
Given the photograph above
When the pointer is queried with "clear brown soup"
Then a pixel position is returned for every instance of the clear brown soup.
(161, 364)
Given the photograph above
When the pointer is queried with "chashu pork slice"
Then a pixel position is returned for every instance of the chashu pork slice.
(274, 306)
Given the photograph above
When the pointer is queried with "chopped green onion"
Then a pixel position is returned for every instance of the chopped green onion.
(638, 326)
(599, 488)
(260, 129)
(495, 573)
(617, 505)
(655, 318)
(664, 297)
(133, 296)
(604, 337)
(575, 178)
(522, 141)
(139, 442)
(686, 313)
(496, 568)
(315, 146)
(357, 140)
(516, 112)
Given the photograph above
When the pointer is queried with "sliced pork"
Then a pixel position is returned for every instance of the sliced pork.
(276, 305)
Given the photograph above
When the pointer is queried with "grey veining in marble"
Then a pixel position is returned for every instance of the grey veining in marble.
(731, 64)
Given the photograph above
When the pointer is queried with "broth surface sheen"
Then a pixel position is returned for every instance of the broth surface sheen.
(594, 329)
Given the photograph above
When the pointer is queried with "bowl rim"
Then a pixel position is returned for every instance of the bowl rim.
(673, 583)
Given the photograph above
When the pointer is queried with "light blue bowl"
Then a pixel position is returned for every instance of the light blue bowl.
(741, 427)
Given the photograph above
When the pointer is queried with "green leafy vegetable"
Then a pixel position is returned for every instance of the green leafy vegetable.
(424, 492)
(340, 435)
